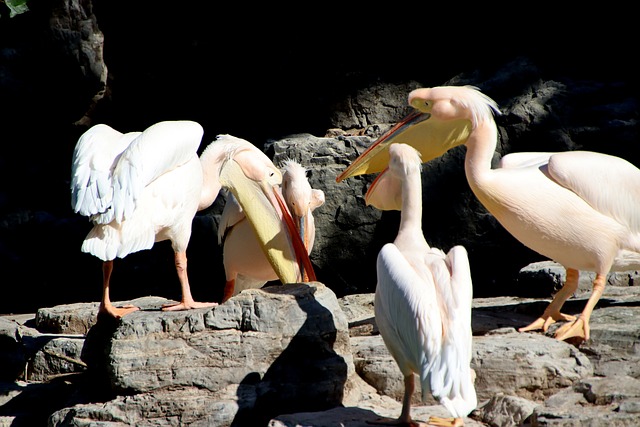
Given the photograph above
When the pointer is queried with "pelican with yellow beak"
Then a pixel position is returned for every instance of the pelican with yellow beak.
(261, 239)
(578, 208)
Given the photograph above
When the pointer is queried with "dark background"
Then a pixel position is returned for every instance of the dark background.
(257, 73)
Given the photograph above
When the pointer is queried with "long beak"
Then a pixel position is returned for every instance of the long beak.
(271, 223)
(431, 137)
(298, 239)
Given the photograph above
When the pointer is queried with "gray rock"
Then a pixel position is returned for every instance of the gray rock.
(266, 355)
(279, 349)
(601, 402)
(537, 367)
(189, 406)
(543, 279)
(506, 411)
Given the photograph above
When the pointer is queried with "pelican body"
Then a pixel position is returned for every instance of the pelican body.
(138, 188)
(578, 208)
(423, 297)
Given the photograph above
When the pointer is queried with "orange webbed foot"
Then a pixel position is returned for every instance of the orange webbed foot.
(446, 422)
(117, 312)
(187, 305)
(578, 329)
(547, 319)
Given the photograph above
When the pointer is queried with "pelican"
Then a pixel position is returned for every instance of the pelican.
(245, 265)
(139, 188)
(578, 208)
(423, 298)
(254, 182)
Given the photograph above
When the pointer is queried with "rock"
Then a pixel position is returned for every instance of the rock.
(601, 402)
(296, 354)
(543, 279)
(538, 366)
(506, 411)
(264, 352)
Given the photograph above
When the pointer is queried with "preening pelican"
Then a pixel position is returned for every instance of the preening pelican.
(578, 208)
(138, 188)
(245, 265)
(423, 298)
(261, 241)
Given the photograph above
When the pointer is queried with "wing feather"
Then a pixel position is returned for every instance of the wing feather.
(524, 159)
(452, 380)
(406, 312)
(94, 159)
(160, 148)
(110, 169)
(587, 173)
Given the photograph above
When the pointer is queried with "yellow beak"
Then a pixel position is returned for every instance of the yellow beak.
(271, 222)
(430, 136)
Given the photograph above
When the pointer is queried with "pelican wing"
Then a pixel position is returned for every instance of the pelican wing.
(162, 147)
(110, 169)
(524, 160)
(94, 159)
(407, 312)
(610, 184)
(451, 380)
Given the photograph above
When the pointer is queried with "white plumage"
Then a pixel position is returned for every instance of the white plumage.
(143, 187)
(423, 297)
(138, 188)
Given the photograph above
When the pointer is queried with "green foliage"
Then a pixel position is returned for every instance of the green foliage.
(16, 7)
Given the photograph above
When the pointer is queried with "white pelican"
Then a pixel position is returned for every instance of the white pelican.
(578, 208)
(423, 298)
(142, 187)
(245, 265)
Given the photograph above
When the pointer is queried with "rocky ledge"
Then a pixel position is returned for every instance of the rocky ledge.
(296, 355)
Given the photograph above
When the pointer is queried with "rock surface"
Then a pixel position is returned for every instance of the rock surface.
(297, 355)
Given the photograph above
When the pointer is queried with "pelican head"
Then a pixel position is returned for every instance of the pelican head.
(301, 200)
(443, 118)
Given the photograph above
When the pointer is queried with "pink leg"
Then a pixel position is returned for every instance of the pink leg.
(580, 327)
(552, 312)
(405, 415)
(187, 300)
(105, 305)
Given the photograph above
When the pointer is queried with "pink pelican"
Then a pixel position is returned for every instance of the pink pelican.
(246, 266)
